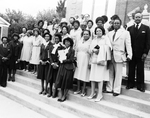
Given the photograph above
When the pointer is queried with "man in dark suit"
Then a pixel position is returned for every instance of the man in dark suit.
(140, 41)
(5, 54)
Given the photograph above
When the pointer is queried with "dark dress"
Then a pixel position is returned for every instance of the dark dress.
(15, 47)
(4, 52)
(64, 79)
(52, 72)
(44, 56)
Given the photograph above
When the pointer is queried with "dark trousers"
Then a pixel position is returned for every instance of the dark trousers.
(136, 67)
(3, 75)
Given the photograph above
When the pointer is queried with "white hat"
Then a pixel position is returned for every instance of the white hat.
(63, 20)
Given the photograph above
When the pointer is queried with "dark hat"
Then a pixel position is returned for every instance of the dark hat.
(16, 34)
(99, 19)
(70, 40)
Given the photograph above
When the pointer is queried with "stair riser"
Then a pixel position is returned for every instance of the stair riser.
(29, 105)
(101, 108)
(127, 103)
(107, 97)
(124, 82)
(130, 93)
(52, 102)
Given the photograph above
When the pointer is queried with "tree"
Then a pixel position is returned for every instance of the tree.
(60, 9)
(46, 15)
(14, 16)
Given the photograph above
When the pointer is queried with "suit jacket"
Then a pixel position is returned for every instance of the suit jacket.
(121, 45)
(69, 62)
(44, 53)
(4, 52)
(140, 40)
(15, 47)
(53, 58)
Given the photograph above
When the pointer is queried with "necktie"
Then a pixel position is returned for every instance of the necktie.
(114, 35)
(137, 27)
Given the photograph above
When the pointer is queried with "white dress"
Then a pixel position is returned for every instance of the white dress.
(98, 72)
(37, 42)
(27, 48)
(82, 71)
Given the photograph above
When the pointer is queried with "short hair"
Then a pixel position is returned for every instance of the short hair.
(46, 30)
(114, 17)
(87, 31)
(59, 36)
(100, 27)
(72, 18)
(133, 14)
(119, 20)
(90, 21)
(99, 19)
(40, 22)
(105, 18)
(76, 21)
(66, 28)
(36, 29)
(3, 38)
(50, 36)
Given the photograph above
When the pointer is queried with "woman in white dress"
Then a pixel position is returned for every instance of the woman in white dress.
(82, 71)
(100, 49)
(38, 40)
(26, 49)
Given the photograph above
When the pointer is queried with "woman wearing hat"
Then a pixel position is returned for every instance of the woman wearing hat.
(64, 79)
(15, 47)
(37, 42)
(54, 65)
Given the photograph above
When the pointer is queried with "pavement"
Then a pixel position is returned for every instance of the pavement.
(12, 109)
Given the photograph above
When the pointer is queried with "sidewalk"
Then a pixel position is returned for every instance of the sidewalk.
(11, 109)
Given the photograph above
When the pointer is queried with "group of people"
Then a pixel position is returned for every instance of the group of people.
(78, 51)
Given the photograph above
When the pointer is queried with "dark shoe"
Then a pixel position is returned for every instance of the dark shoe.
(54, 93)
(107, 92)
(59, 100)
(49, 95)
(13, 79)
(141, 89)
(63, 99)
(115, 94)
(41, 92)
(45, 92)
(10, 78)
(129, 87)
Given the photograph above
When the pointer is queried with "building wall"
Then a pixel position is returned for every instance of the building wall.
(73, 7)
(123, 7)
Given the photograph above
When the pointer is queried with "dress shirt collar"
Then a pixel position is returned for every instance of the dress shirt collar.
(138, 24)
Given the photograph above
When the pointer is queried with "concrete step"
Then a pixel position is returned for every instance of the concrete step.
(10, 108)
(36, 105)
(35, 83)
(68, 106)
(125, 105)
(124, 82)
